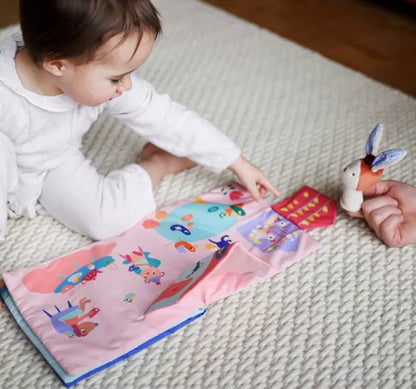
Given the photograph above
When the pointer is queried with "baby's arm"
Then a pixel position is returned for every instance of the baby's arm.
(181, 132)
(252, 178)
(173, 127)
(391, 212)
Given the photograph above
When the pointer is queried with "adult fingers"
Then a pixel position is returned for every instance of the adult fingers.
(374, 203)
(380, 188)
(378, 216)
(391, 233)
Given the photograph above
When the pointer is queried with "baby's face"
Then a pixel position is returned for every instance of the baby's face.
(108, 75)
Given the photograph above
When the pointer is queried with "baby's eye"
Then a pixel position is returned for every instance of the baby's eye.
(115, 81)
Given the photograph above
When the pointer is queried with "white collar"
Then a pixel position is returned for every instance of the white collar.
(9, 77)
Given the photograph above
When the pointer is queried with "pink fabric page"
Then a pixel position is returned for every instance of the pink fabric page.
(96, 304)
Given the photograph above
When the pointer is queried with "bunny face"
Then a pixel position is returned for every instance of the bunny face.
(368, 177)
(351, 174)
(366, 172)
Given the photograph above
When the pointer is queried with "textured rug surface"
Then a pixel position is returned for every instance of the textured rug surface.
(345, 316)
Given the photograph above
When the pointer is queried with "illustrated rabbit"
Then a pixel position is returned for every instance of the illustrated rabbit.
(366, 172)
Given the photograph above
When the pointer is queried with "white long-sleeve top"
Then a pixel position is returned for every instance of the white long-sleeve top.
(38, 132)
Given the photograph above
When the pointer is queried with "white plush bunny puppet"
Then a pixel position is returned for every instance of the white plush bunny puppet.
(366, 172)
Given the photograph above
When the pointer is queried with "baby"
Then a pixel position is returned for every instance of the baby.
(75, 60)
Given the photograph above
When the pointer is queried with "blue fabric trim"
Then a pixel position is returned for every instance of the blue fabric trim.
(195, 315)
(30, 334)
(70, 380)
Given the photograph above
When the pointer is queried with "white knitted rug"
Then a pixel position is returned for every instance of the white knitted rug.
(345, 316)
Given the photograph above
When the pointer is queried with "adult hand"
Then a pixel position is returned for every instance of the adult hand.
(391, 212)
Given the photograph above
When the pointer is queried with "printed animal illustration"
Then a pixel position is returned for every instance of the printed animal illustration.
(71, 322)
(143, 264)
(74, 269)
(266, 231)
(83, 274)
(92, 275)
(223, 242)
(366, 172)
(271, 231)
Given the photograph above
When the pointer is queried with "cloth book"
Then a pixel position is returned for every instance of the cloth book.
(96, 306)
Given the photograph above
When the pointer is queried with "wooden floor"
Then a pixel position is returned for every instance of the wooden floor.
(375, 37)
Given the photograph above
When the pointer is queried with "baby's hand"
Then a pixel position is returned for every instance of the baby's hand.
(252, 178)
(391, 212)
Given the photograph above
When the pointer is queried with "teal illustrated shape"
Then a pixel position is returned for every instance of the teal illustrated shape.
(129, 297)
(84, 274)
(199, 220)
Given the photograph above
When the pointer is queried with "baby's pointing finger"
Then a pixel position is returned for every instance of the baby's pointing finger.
(268, 185)
(254, 191)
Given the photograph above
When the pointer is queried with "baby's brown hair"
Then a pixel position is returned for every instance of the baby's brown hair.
(75, 29)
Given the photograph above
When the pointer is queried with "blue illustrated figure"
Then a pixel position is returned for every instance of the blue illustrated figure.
(70, 321)
(223, 242)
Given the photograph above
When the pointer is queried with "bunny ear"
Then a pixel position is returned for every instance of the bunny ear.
(374, 140)
(386, 158)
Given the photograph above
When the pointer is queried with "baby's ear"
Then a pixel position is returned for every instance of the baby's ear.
(56, 67)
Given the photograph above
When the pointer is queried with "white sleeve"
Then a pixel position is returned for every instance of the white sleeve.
(172, 126)
(8, 179)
